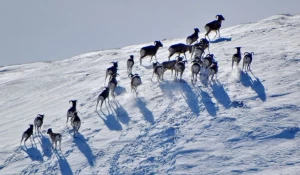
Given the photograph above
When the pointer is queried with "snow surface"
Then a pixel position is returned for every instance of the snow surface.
(244, 123)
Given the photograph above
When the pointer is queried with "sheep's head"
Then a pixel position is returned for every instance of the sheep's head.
(220, 17)
(41, 115)
(31, 126)
(73, 102)
(158, 43)
(238, 49)
(155, 64)
(209, 56)
(115, 63)
(49, 131)
(196, 30)
(131, 56)
(179, 58)
(204, 41)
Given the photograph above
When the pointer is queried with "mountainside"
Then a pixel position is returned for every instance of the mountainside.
(243, 123)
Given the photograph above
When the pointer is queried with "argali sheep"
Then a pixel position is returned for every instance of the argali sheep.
(111, 70)
(103, 96)
(179, 67)
(71, 111)
(200, 47)
(198, 50)
(192, 38)
(157, 70)
(204, 75)
(130, 63)
(195, 68)
(214, 26)
(179, 48)
(208, 60)
(170, 65)
(38, 122)
(236, 57)
(247, 60)
(26, 135)
(76, 123)
(213, 70)
(55, 137)
(135, 81)
(112, 84)
(150, 51)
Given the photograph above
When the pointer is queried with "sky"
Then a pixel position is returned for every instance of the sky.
(34, 30)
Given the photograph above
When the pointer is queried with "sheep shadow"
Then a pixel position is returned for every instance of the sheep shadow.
(288, 133)
(221, 95)
(82, 145)
(221, 39)
(46, 146)
(190, 97)
(110, 121)
(121, 113)
(65, 168)
(120, 90)
(255, 84)
(33, 153)
(186, 91)
(208, 103)
(145, 111)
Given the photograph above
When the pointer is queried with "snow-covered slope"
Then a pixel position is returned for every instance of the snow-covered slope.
(244, 123)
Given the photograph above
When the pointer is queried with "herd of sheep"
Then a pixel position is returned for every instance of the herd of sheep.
(202, 64)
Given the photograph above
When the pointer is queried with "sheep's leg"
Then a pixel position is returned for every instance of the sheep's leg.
(185, 56)
(140, 61)
(101, 104)
(219, 33)
(105, 78)
(152, 76)
(232, 64)
(170, 56)
(151, 59)
(216, 33)
(181, 76)
(207, 34)
(97, 102)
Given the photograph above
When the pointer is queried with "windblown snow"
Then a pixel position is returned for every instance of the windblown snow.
(243, 123)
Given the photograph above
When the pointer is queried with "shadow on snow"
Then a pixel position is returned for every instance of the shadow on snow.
(110, 121)
(144, 110)
(65, 168)
(121, 113)
(221, 95)
(255, 84)
(84, 148)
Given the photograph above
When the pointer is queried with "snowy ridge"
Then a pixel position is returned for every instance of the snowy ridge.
(244, 123)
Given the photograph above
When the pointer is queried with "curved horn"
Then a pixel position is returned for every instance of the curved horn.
(70, 101)
(246, 53)
(155, 42)
(252, 53)
(217, 16)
